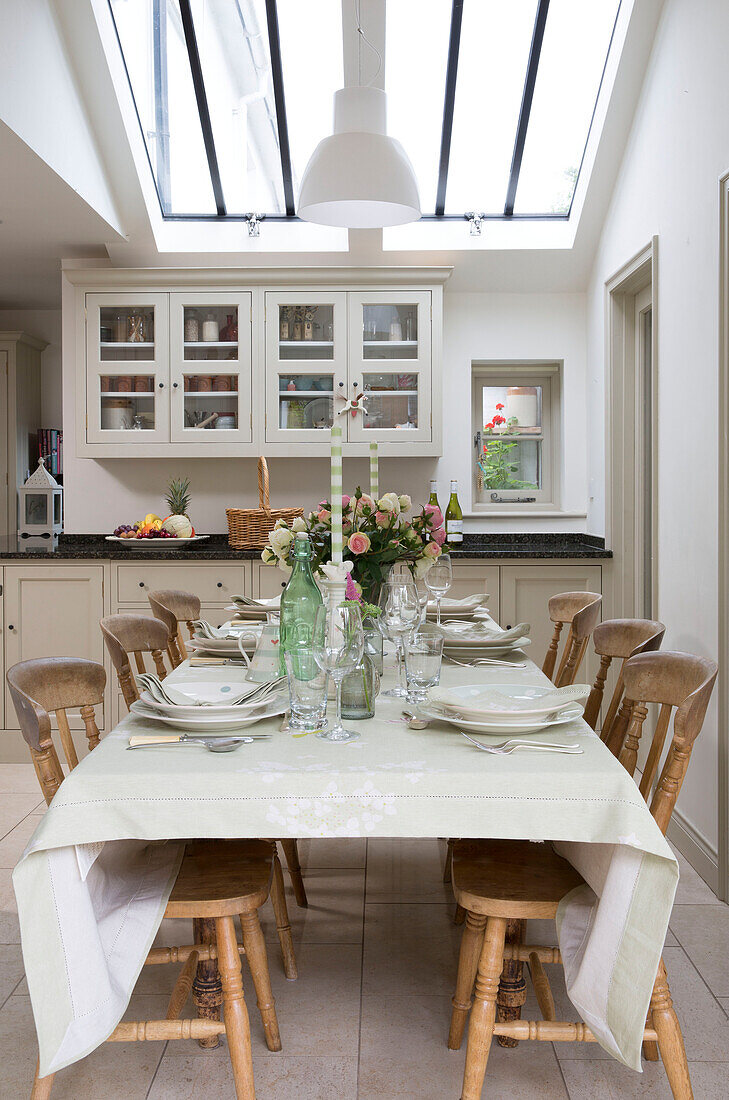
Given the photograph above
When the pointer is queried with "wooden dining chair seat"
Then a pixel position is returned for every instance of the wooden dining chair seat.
(127, 636)
(52, 686)
(581, 610)
(500, 882)
(217, 880)
(174, 607)
(618, 639)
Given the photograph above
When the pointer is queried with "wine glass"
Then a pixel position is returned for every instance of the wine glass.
(400, 615)
(338, 644)
(438, 580)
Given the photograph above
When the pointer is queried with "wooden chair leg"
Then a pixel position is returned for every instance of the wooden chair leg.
(460, 915)
(483, 1013)
(471, 944)
(207, 990)
(670, 1039)
(281, 913)
(650, 1049)
(512, 987)
(41, 1086)
(291, 854)
(448, 861)
(237, 1027)
(258, 962)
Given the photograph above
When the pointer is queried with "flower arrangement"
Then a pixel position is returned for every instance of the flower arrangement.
(496, 467)
(377, 535)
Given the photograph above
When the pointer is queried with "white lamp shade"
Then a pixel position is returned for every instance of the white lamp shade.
(359, 178)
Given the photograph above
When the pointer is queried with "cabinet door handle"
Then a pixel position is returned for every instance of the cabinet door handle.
(10, 626)
(174, 385)
(161, 385)
(220, 584)
(141, 584)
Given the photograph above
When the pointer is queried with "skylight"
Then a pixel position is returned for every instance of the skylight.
(493, 102)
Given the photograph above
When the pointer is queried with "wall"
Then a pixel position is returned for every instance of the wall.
(46, 325)
(100, 495)
(668, 185)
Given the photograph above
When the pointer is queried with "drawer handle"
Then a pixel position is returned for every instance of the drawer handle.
(141, 584)
(10, 626)
(220, 584)
(161, 385)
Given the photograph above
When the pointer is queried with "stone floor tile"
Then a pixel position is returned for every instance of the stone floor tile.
(611, 1081)
(334, 915)
(318, 852)
(14, 806)
(277, 1077)
(410, 949)
(19, 777)
(403, 1055)
(15, 842)
(692, 890)
(9, 927)
(703, 932)
(406, 871)
(11, 970)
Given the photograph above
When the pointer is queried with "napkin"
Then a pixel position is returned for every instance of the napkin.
(493, 701)
(487, 632)
(468, 603)
(265, 605)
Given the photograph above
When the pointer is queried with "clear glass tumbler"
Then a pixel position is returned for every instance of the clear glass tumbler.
(423, 656)
(307, 691)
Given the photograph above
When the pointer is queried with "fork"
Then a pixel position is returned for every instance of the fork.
(507, 747)
(485, 661)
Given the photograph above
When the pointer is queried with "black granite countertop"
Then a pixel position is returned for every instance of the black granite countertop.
(215, 548)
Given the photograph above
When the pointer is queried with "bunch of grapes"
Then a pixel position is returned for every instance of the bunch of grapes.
(124, 529)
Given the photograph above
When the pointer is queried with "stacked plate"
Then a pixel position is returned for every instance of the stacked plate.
(482, 638)
(223, 641)
(505, 708)
(209, 707)
(459, 609)
(247, 608)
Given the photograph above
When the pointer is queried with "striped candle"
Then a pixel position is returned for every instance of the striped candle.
(374, 472)
(336, 494)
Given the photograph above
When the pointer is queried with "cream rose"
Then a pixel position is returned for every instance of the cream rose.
(280, 539)
(299, 524)
(390, 502)
(405, 502)
(359, 543)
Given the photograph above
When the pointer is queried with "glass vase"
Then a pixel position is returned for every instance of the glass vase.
(359, 690)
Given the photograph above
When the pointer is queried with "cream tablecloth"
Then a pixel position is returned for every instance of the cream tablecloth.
(88, 915)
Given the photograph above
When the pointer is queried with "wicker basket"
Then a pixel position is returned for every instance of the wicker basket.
(248, 528)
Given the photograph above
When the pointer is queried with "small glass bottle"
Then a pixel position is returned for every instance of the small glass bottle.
(360, 688)
(299, 601)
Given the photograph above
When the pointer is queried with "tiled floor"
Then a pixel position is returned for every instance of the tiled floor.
(368, 1017)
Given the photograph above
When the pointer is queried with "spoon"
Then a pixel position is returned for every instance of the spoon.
(213, 744)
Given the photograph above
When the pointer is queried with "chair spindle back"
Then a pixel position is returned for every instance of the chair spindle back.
(134, 635)
(618, 638)
(174, 607)
(582, 611)
(53, 685)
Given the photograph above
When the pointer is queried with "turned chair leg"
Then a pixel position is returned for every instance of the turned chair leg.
(237, 1027)
(471, 944)
(258, 962)
(650, 1049)
(281, 913)
(448, 861)
(512, 987)
(483, 1013)
(460, 915)
(41, 1086)
(291, 854)
(670, 1039)
(207, 991)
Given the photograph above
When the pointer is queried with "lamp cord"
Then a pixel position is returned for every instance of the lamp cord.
(363, 38)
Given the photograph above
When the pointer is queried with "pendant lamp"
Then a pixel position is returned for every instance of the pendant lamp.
(359, 178)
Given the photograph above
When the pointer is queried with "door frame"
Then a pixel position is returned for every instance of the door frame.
(723, 548)
(625, 465)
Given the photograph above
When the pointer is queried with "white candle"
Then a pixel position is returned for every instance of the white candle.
(374, 472)
(336, 493)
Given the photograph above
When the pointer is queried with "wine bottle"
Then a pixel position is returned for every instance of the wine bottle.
(433, 498)
(299, 602)
(454, 517)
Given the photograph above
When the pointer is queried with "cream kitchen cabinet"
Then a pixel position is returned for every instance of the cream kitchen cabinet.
(53, 610)
(470, 577)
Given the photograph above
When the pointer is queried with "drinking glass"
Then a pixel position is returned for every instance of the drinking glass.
(400, 615)
(307, 691)
(423, 597)
(438, 580)
(423, 656)
(338, 645)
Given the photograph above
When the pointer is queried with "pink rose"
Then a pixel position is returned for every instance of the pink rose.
(382, 519)
(323, 515)
(439, 535)
(436, 516)
(345, 501)
(359, 543)
(365, 501)
(346, 525)
(432, 550)
(322, 504)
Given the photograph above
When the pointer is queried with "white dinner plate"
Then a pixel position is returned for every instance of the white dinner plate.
(458, 649)
(499, 725)
(209, 694)
(510, 702)
(225, 646)
(155, 544)
(213, 723)
(461, 615)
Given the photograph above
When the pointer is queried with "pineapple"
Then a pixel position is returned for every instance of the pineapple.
(178, 496)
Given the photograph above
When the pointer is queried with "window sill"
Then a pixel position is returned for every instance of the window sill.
(505, 510)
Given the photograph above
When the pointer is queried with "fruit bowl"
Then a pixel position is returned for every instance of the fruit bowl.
(149, 542)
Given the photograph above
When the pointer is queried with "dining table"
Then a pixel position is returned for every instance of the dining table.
(94, 880)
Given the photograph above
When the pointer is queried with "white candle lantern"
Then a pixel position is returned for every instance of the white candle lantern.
(40, 510)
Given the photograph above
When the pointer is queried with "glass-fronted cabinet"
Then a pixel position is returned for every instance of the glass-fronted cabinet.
(306, 372)
(127, 369)
(390, 364)
(210, 367)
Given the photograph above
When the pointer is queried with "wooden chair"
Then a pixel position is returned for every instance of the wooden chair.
(582, 611)
(618, 638)
(173, 608)
(217, 880)
(502, 881)
(134, 635)
(55, 685)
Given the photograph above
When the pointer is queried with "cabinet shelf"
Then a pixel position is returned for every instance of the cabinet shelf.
(306, 393)
(390, 343)
(133, 344)
(306, 343)
(211, 393)
(390, 393)
(211, 344)
(129, 393)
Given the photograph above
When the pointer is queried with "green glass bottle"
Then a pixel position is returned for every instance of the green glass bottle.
(299, 601)
(433, 498)
(454, 517)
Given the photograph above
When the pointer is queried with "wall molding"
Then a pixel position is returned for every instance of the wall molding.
(117, 278)
(694, 846)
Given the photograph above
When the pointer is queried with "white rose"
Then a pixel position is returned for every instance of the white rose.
(280, 539)
(299, 524)
(422, 565)
(268, 556)
(405, 502)
(390, 502)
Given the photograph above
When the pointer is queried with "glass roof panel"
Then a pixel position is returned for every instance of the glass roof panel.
(311, 58)
(574, 51)
(153, 45)
(232, 40)
(416, 59)
(492, 64)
